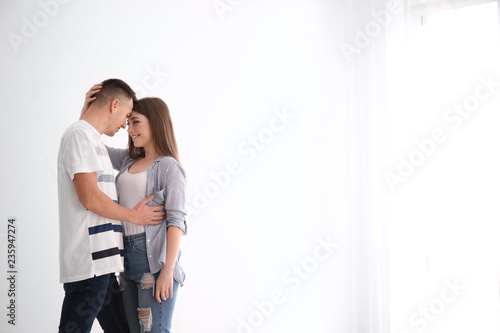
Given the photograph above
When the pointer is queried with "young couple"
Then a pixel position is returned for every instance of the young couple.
(131, 225)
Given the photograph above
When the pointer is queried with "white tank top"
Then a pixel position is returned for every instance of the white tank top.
(131, 188)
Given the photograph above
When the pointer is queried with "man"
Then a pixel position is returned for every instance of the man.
(91, 243)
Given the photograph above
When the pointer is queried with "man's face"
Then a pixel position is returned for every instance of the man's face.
(121, 111)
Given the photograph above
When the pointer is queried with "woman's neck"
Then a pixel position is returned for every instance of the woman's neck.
(150, 154)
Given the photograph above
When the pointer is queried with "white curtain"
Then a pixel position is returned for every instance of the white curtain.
(366, 256)
(440, 166)
(421, 249)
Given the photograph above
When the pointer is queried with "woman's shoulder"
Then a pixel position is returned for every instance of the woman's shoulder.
(168, 163)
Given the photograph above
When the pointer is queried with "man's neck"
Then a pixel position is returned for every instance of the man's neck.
(95, 119)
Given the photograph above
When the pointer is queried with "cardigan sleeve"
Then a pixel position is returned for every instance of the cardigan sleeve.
(117, 157)
(175, 194)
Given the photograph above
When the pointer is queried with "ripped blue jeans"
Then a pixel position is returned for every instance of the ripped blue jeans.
(144, 313)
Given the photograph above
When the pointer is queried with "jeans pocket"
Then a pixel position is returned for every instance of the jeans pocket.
(69, 287)
(139, 247)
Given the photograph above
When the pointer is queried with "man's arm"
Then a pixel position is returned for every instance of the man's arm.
(99, 203)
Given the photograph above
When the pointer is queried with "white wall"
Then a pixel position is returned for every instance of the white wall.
(224, 76)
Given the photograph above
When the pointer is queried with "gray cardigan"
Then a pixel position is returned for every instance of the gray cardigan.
(166, 179)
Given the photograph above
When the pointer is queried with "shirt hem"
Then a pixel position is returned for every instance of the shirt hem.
(87, 276)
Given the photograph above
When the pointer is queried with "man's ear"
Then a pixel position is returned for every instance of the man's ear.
(113, 105)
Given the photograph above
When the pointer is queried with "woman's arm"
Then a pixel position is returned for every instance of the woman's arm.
(117, 157)
(89, 99)
(176, 226)
(175, 194)
(165, 283)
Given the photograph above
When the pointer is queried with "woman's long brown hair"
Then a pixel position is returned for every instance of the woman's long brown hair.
(156, 110)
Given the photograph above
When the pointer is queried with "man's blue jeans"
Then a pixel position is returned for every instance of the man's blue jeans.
(98, 297)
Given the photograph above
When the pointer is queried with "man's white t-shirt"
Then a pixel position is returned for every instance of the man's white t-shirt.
(89, 245)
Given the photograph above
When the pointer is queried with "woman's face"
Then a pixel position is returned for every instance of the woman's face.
(140, 130)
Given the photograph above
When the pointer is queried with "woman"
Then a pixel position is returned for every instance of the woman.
(150, 165)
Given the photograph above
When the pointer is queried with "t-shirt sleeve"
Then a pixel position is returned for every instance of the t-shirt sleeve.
(81, 155)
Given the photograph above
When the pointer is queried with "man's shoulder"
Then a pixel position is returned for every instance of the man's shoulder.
(81, 126)
(81, 130)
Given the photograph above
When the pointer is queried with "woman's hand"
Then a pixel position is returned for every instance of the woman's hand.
(89, 99)
(164, 285)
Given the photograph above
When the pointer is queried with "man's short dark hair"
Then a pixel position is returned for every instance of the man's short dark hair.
(114, 88)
